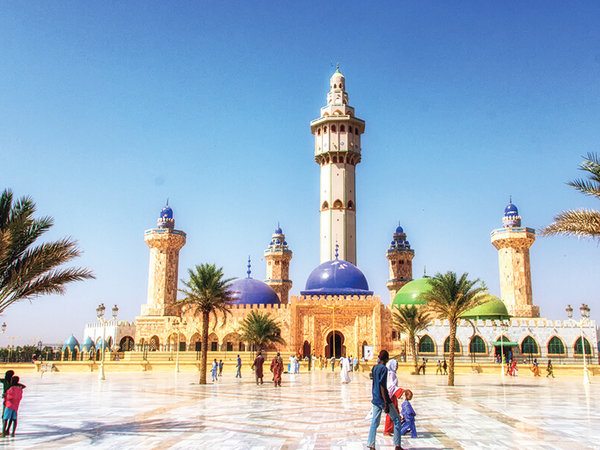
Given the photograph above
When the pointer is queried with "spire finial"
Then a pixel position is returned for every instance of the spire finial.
(249, 271)
(337, 67)
(167, 201)
(425, 270)
(510, 199)
(337, 254)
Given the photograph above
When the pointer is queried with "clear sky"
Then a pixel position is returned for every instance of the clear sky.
(109, 108)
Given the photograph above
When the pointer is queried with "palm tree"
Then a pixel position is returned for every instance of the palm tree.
(207, 293)
(448, 298)
(410, 320)
(580, 222)
(27, 271)
(260, 330)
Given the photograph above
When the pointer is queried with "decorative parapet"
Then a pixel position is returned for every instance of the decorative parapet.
(260, 306)
(334, 298)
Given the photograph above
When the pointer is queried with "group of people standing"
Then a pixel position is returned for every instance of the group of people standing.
(11, 396)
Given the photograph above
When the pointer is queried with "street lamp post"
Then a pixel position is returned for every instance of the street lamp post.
(100, 312)
(585, 315)
(176, 325)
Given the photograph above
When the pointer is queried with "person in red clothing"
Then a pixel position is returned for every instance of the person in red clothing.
(11, 401)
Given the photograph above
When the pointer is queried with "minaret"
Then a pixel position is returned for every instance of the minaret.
(513, 242)
(165, 243)
(400, 257)
(337, 150)
(278, 257)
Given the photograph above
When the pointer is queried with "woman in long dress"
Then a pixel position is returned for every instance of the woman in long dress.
(344, 373)
(394, 391)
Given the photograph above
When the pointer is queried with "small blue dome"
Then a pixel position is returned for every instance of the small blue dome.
(71, 344)
(278, 231)
(248, 291)
(399, 229)
(88, 344)
(511, 210)
(166, 213)
(336, 277)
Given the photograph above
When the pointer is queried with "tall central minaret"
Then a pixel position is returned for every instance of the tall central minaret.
(337, 150)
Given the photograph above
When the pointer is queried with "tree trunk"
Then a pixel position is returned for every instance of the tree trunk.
(413, 348)
(451, 358)
(204, 350)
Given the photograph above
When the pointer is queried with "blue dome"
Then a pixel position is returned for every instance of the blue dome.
(71, 344)
(278, 231)
(166, 213)
(336, 277)
(88, 344)
(248, 291)
(511, 210)
(399, 229)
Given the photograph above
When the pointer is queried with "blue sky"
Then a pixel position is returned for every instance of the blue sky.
(107, 109)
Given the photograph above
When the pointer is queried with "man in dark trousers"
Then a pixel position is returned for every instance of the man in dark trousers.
(382, 403)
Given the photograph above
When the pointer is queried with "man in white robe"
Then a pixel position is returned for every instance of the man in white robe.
(344, 373)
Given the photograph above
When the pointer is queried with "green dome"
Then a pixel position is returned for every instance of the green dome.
(494, 308)
(409, 293)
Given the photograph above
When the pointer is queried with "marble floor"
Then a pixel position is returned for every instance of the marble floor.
(310, 411)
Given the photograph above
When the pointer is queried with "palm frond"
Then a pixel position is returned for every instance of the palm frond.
(27, 271)
(581, 223)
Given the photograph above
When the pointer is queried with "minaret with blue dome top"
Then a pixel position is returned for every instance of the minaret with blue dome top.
(513, 242)
(400, 257)
(278, 256)
(337, 151)
(164, 242)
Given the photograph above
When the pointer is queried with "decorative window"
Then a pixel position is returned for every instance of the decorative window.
(356, 130)
(578, 347)
(342, 128)
(477, 345)
(529, 346)
(325, 206)
(350, 204)
(318, 132)
(324, 129)
(556, 346)
(447, 345)
(426, 345)
(350, 130)
(333, 129)
(338, 204)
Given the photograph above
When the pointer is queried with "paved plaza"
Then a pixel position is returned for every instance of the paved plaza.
(310, 411)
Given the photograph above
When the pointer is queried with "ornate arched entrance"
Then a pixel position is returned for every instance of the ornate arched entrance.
(340, 348)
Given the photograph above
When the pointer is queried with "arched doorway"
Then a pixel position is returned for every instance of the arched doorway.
(340, 348)
(126, 344)
(306, 349)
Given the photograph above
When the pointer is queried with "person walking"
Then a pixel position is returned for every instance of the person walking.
(277, 369)
(214, 370)
(394, 391)
(382, 403)
(438, 369)
(257, 365)
(445, 367)
(550, 369)
(238, 367)
(333, 364)
(220, 367)
(344, 375)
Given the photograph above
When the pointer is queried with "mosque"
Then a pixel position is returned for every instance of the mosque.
(337, 313)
